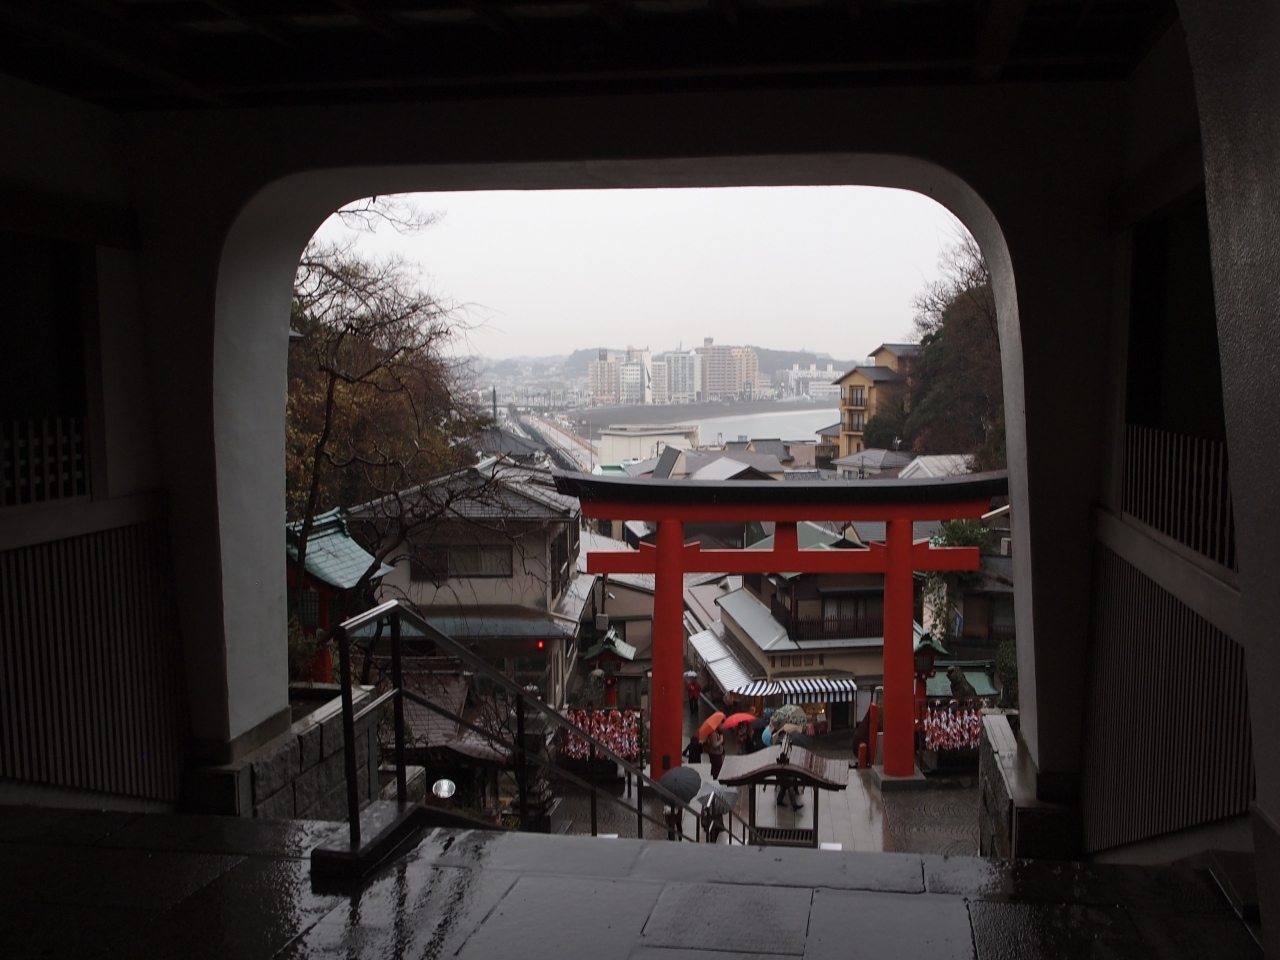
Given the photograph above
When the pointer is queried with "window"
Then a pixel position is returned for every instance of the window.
(808, 659)
(309, 609)
(772, 663)
(455, 562)
(857, 397)
(786, 661)
(822, 659)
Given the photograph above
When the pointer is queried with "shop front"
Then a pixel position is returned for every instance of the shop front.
(825, 700)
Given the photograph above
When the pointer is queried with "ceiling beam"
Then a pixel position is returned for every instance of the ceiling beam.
(999, 33)
(375, 20)
(490, 16)
(257, 25)
(57, 33)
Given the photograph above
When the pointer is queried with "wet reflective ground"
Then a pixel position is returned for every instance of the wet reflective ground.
(86, 884)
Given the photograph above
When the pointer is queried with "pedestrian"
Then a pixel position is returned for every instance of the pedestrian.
(746, 739)
(693, 689)
(789, 792)
(693, 752)
(715, 750)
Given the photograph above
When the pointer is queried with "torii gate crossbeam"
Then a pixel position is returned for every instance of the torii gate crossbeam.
(673, 503)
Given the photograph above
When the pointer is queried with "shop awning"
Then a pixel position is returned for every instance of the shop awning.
(803, 689)
(758, 688)
(818, 690)
(723, 666)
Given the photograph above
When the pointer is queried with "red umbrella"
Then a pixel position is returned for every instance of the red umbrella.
(712, 723)
(738, 718)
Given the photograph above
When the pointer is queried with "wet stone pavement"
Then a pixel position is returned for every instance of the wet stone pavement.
(88, 884)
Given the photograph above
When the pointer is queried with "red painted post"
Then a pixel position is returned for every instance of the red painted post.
(899, 660)
(666, 707)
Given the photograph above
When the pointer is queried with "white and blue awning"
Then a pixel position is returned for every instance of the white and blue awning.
(803, 689)
(758, 688)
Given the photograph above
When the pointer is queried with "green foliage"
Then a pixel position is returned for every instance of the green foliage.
(886, 429)
(1007, 672)
(957, 389)
(942, 588)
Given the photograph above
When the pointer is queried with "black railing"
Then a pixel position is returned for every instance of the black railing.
(395, 614)
(1181, 486)
(42, 460)
(825, 628)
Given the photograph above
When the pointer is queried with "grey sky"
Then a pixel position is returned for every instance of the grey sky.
(828, 269)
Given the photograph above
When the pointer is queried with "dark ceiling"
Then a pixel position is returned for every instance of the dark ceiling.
(147, 54)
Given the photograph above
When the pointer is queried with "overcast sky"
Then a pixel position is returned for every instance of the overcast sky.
(827, 269)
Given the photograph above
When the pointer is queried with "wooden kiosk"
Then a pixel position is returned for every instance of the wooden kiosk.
(787, 766)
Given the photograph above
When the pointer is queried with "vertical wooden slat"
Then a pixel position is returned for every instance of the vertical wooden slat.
(1167, 741)
(90, 680)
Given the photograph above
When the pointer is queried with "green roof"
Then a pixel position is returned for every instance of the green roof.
(333, 557)
(610, 643)
(939, 686)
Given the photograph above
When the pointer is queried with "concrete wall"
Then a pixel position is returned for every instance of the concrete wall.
(1237, 73)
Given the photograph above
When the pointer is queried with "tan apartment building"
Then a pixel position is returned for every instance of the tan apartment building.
(865, 390)
(728, 373)
(602, 379)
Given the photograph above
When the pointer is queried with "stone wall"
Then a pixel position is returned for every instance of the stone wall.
(300, 774)
(1012, 821)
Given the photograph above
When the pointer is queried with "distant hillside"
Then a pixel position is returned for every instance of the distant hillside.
(772, 361)
(576, 364)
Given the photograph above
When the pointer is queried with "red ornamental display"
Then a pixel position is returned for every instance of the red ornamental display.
(953, 727)
(619, 730)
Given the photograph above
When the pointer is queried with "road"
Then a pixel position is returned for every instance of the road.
(580, 451)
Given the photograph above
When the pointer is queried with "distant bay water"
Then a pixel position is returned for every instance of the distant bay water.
(724, 422)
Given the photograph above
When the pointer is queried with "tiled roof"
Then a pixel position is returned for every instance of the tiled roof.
(831, 431)
(492, 490)
(332, 556)
(753, 617)
(903, 349)
(773, 446)
(498, 621)
(764, 462)
(876, 459)
(666, 462)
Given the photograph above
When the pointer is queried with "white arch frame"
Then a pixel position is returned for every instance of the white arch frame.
(254, 288)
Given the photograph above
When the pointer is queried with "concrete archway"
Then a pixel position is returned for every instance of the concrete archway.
(251, 313)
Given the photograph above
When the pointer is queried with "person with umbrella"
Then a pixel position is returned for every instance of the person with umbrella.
(713, 741)
(683, 783)
(740, 723)
(717, 802)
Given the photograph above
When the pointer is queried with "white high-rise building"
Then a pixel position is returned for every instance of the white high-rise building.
(659, 381)
(683, 377)
(635, 377)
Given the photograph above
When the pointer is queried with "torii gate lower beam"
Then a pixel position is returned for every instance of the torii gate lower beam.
(671, 503)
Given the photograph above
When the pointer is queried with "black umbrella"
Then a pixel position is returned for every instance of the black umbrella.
(684, 782)
(760, 723)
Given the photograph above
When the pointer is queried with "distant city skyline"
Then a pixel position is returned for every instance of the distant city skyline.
(827, 269)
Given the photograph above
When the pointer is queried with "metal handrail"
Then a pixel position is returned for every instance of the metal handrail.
(394, 611)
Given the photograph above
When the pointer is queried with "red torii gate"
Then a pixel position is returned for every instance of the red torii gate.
(672, 503)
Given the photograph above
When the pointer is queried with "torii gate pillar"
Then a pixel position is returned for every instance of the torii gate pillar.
(666, 712)
(899, 658)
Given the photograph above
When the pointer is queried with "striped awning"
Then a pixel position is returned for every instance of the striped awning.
(818, 690)
(803, 689)
(758, 688)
